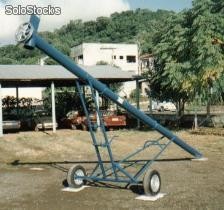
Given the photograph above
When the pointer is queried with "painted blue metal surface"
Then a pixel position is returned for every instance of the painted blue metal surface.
(68, 63)
(100, 162)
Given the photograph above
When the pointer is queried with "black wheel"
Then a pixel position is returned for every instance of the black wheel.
(152, 182)
(74, 171)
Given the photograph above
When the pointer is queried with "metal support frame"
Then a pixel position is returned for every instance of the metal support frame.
(98, 106)
(116, 171)
(124, 164)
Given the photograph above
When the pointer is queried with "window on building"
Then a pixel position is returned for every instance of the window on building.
(121, 57)
(147, 64)
(80, 57)
(114, 57)
(131, 59)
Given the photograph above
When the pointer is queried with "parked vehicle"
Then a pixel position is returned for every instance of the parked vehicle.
(11, 122)
(75, 120)
(39, 120)
(166, 106)
(110, 119)
(72, 120)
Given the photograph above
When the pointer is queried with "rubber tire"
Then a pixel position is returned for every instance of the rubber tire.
(147, 182)
(71, 174)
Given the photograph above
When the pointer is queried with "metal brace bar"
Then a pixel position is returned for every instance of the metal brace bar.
(103, 131)
(148, 163)
(90, 127)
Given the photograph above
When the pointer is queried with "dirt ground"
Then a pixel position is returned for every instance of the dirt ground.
(188, 184)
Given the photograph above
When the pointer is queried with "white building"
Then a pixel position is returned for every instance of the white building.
(146, 65)
(124, 56)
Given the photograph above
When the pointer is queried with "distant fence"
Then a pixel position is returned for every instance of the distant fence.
(186, 121)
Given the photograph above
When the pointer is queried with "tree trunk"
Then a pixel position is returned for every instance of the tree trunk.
(209, 105)
(208, 108)
(195, 120)
(181, 104)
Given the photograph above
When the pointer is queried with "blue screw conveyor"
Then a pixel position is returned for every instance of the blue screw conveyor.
(116, 171)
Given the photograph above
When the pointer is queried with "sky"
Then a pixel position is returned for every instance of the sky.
(175, 5)
(74, 9)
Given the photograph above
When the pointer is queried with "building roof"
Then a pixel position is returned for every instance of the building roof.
(105, 43)
(36, 75)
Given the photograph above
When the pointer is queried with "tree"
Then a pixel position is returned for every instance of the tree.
(187, 63)
(66, 99)
(168, 82)
(9, 103)
(133, 94)
(206, 58)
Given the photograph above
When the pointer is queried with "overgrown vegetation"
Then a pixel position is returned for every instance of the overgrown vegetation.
(188, 65)
(25, 106)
